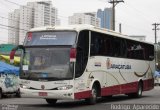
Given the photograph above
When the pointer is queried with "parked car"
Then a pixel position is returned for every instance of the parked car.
(9, 79)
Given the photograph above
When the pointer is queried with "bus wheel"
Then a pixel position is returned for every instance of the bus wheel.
(140, 89)
(93, 99)
(51, 101)
(138, 94)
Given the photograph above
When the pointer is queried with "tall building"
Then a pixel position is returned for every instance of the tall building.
(34, 14)
(26, 20)
(106, 18)
(45, 14)
(84, 18)
(13, 27)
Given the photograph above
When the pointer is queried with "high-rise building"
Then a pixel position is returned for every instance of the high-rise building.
(84, 18)
(26, 20)
(13, 27)
(45, 14)
(106, 18)
(35, 14)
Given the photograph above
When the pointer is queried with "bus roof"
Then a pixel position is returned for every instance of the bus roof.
(84, 27)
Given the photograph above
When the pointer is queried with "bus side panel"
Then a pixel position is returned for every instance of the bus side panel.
(124, 80)
(148, 84)
(82, 95)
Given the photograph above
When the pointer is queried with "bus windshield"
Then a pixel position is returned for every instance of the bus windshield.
(50, 38)
(46, 64)
(47, 56)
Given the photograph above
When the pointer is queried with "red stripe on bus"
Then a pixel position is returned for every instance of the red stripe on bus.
(118, 89)
(82, 95)
(148, 84)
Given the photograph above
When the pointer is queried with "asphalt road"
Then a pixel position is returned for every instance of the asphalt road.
(149, 101)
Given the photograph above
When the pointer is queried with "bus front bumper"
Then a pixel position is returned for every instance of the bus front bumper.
(47, 94)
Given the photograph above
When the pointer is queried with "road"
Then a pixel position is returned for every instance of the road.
(149, 99)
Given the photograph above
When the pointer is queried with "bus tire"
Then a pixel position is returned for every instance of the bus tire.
(138, 94)
(51, 101)
(94, 93)
(139, 91)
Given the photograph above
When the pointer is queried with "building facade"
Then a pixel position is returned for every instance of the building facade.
(84, 18)
(105, 18)
(26, 20)
(13, 27)
(34, 14)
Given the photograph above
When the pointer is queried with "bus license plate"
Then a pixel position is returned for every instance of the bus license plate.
(43, 94)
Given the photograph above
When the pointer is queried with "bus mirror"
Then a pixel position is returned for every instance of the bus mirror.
(13, 51)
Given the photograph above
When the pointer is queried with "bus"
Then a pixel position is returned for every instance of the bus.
(83, 62)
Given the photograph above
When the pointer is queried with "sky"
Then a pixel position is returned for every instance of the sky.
(135, 16)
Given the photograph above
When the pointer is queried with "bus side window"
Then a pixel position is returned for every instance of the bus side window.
(82, 53)
(108, 46)
(116, 48)
(123, 48)
(95, 45)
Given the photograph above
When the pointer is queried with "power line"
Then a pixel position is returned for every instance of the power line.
(13, 27)
(30, 8)
(14, 20)
(7, 29)
(141, 13)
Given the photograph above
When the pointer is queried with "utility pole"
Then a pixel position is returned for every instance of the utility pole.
(114, 3)
(155, 30)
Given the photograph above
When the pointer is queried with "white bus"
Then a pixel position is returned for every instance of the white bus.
(83, 62)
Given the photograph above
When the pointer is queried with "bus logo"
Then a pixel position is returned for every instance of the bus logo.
(111, 65)
(42, 87)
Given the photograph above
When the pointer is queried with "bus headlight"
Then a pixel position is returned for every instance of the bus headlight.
(65, 87)
(24, 86)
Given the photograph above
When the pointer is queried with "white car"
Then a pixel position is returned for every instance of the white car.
(9, 84)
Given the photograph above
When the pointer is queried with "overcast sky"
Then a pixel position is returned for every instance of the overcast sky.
(136, 16)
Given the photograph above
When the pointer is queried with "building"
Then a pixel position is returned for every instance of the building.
(141, 38)
(84, 18)
(13, 27)
(105, 18)
(26, 20)
(45, 14)
(34, 14)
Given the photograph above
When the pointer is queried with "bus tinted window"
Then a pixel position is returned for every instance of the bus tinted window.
(50, 38)
(135, 50)
(82, 52)
(119, 47)
(108, 45)
(139, 50)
